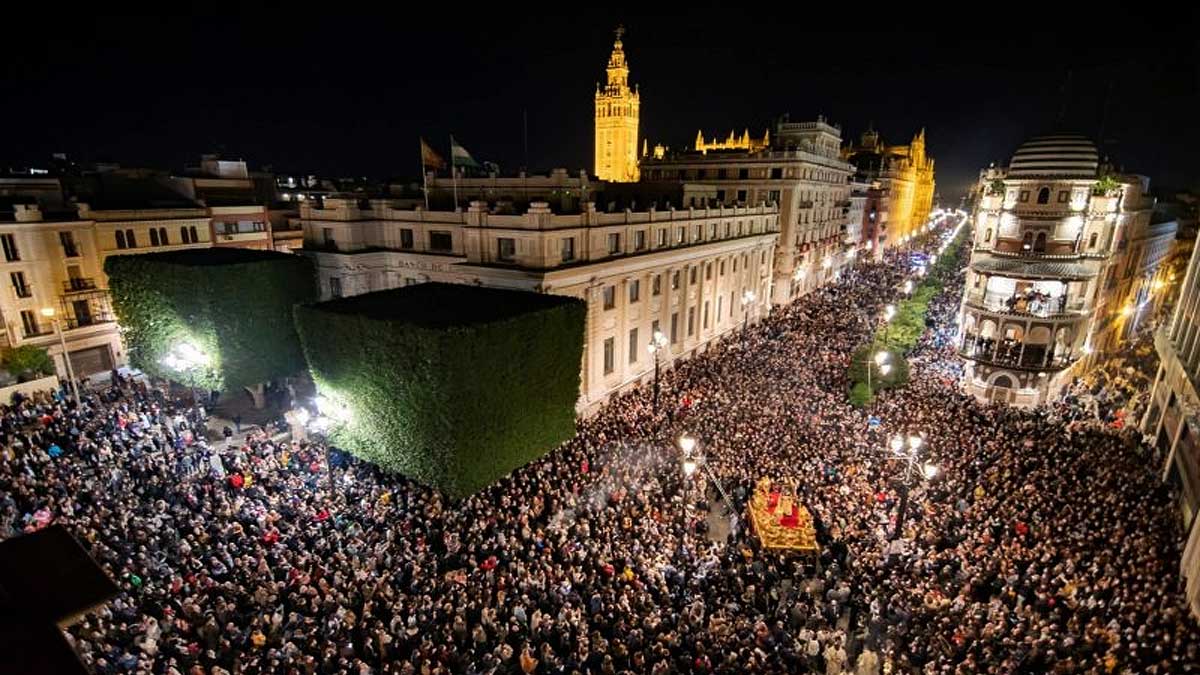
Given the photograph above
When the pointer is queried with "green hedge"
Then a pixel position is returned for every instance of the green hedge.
(235, 305)
(905, 329)
(452, 385)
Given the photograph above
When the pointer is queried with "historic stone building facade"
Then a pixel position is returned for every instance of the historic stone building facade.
(905, 174)
(802, 171)
(55, 261)
(694, 274)
(617, 111)
(1064, 258)
(1172, 419)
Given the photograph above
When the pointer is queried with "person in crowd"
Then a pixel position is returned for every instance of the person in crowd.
(1044, 544)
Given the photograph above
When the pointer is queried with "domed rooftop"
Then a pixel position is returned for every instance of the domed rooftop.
(1057, 156)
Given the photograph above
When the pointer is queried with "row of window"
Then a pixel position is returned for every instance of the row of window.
(609, 293)
(158, 236)
(13, 254)
(1043, 196)
(506, 247)
(439, 240)
(1037, 243)
(744, 173)
(635, 345)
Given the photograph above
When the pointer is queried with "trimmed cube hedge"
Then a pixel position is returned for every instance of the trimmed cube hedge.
(451, 385)
(234, 305)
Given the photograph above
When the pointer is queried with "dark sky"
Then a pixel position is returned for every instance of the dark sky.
(339, 90)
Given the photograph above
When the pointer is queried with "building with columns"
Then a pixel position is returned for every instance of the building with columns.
(1172, 420)
(802, 170)
(695, 274)
(617, 114)
(1065, 257)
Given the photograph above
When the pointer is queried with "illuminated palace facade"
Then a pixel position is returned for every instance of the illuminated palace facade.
(1064, 265)
(904, 173)
(801, 170)
(693, 274)
(617, 110)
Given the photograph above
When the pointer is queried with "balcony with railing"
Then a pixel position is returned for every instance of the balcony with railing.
(1038, 305)
(79, 285)
(1012, 353)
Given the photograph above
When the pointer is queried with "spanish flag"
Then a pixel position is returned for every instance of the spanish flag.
(429, 158)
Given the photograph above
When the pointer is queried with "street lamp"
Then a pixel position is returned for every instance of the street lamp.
(747, 300)
(888, 312)
(908, 286)
(687, 445)
(693, 461)
(880, 360)
(186, 358)
(331, 415)
(658, 342)
(49, 313)
(908, 450)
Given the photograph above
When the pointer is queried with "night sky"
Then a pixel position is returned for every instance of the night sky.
(333, 90)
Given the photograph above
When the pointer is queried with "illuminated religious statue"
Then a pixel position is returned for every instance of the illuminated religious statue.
(617, 110)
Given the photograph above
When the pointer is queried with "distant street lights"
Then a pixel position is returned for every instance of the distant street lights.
(658, 342)
(49, 313)
(908, 450)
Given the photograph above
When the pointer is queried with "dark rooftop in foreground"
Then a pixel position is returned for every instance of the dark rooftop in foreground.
(440, 305)
(208, 257)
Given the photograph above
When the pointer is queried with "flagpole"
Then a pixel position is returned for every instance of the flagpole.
(454, 172)
(424, 176)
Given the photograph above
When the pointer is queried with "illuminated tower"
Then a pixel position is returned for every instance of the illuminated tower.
(617, 121)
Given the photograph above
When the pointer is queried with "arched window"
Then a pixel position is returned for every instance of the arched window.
(1092, 239)
(130, 240)
(162, 236)
(1039, 245)
(192, 231)
(120, 239)
(1044, 196)
(1027, 241)
(153, 237)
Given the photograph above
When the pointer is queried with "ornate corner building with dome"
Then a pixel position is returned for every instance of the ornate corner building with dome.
(1066, 264)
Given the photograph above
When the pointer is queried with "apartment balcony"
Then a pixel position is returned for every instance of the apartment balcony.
(1062, 307)
(79, 285)
(1013, 354)
(239, 237)
(1033, 254)
(75, 322)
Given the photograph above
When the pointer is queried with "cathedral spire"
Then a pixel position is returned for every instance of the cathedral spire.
(617, 113)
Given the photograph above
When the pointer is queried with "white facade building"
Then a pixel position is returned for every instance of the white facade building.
(693, 274)
(1051, 270)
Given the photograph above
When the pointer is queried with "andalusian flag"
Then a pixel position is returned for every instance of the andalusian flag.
(431, 158)
(459, 155)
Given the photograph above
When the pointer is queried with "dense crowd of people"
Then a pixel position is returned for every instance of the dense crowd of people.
(1043, 544)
